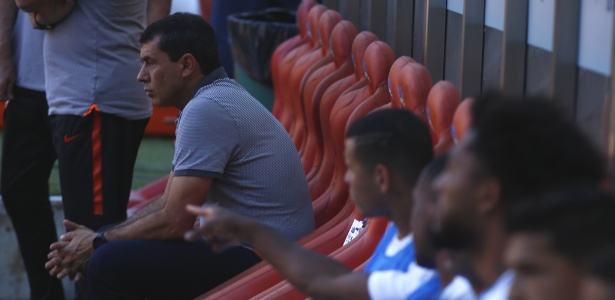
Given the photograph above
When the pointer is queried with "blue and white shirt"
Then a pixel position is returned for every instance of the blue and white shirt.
(394, 272)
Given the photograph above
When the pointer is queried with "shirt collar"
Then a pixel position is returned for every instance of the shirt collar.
(216, 74)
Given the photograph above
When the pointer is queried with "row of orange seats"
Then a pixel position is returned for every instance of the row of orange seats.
(325, 78)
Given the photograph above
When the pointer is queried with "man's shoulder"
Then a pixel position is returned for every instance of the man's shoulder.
(221, 85)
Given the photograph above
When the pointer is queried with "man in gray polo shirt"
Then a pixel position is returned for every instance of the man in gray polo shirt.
(230, 151)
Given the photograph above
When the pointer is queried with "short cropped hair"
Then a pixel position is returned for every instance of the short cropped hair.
(394, 137)
(434, 168)
(183, 33)
(577, 219)
(602, 265)
(528, 146)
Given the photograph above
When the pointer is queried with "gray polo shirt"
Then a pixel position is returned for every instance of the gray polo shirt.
(226, 134)
(92, 57)
(28, 58)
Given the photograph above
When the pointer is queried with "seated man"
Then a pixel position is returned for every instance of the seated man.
(515, 148)
(395, 284)
(230, 151)
(553, 237)
(385, 152)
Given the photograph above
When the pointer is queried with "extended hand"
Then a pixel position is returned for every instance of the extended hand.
(221, 228)
(70, 256)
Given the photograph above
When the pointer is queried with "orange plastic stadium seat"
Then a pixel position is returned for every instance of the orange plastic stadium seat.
(414, 86)
(283, 49)
(353, 256)
(378, 60)
(287, 114)
(304, 65)
(329, 203)
(442, 101)
(146, 195)
(393, 80)
(462, 119)
(321, 182)
(312, 78)
(162, 122)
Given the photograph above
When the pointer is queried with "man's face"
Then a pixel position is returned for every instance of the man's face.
(454, 223)
(422, 214)
(161, 77)
(540, 273)
(362, 183)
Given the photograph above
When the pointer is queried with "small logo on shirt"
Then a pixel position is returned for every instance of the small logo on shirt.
(67, 138)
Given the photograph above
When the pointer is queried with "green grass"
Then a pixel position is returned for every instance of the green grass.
(153, 162)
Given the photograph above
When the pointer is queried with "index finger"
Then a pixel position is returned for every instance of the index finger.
(199, 210)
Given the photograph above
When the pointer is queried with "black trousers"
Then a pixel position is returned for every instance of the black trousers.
(162, 270)
(96, 158)
(27, 158)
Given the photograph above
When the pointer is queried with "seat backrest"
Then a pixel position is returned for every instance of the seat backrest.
(315, 82)
(319, 65)
(442, 101)
(341, 111)
(414, 86)
(304, 64)
(462, 119)
(392, 81)
(287, 116)
(284, 48)
(321, 181)
(377, 62)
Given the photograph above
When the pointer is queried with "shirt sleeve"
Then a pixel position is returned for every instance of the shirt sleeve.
(207, 139)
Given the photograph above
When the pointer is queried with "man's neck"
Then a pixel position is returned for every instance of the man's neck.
(188, 92)
(486, 258)
(401, 211)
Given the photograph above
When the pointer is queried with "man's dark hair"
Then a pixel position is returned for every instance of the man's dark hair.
(183, 33)
(577, 219)
(393, 137)
(602, 265)
(529, 146)
(434, 168)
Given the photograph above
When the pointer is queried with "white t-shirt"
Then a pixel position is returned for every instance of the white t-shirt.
(500, 289)
(458, 289)
(400, 285)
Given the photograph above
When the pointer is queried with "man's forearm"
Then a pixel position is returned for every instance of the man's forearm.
(151, 208)
(8, 12)
(157, 9)
(301, 267)
(152, 223)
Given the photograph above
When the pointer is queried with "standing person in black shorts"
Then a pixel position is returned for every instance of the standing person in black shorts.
(27, 148)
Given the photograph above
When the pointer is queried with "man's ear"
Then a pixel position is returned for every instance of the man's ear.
(187, 65)
(489, 196)
(383, 177)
